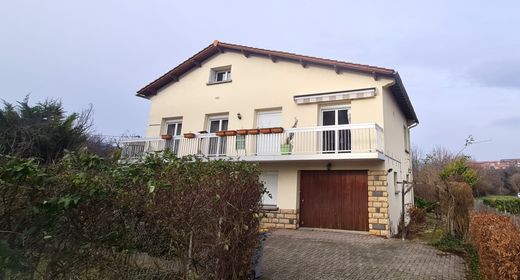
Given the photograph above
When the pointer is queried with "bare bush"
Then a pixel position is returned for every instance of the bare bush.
(497, 240)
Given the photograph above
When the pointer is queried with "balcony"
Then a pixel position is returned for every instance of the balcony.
(353, 141)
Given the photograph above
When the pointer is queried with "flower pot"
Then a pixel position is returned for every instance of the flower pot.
(277, 129)
(265, 130)
(221, 133)
(286, 149)
(242, 131)
(230, 132)
(253, 131)
(166, 137)
(189, 135)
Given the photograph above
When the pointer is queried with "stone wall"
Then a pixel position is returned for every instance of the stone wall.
(378, 203)
(280, 218)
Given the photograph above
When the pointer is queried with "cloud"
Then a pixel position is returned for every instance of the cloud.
(513, 122)
(497, 73)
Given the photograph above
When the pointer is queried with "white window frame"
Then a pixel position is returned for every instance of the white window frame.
(214, 72)
(336, 108)
(175, 122)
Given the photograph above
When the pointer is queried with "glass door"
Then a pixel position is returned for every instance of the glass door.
(217, 145)
(174, 129)
(335, 140)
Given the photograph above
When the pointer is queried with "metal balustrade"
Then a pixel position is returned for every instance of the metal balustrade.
(321, 142)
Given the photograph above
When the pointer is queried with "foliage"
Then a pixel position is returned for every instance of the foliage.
(417, 221)
(456, 200)
(42, 131)
(497, 240)
(422, 203)
(162, 217)
(457, 246)
(509, 204)
(460, 171)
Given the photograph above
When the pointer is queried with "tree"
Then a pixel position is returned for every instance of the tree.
(43, 131)
(515, 182)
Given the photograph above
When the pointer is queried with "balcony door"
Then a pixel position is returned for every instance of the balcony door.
(335, 140)
(268, 144)
(217, 145)
(174, 129)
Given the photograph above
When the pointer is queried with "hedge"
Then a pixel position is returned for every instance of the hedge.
(497, 240)
(505, 204)
(160, 218)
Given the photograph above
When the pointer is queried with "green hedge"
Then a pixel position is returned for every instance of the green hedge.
(160, 218)
(509, 204)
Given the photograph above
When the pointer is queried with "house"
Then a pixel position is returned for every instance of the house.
(331, 137)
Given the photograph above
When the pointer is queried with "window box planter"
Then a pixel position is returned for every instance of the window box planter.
(286, 149)
(242, 132)
(230, 132)
(265, 130)
(189, 135)
(253, 131)
(277, 129)
(166, 137)
(221, 133)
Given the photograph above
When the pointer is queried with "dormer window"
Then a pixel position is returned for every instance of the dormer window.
(220, 75)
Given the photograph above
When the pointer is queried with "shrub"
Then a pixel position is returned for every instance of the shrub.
(497, 240)
(417, 221)
(162, 217)
(505, 204)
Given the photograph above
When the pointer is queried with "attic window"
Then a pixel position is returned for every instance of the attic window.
(220, 75)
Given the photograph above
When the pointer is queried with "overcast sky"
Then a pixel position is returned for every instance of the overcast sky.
(459, 60)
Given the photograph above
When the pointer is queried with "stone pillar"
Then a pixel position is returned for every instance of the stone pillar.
(378, 203)
(280, 218)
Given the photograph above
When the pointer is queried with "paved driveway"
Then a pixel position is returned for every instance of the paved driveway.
(305, 254)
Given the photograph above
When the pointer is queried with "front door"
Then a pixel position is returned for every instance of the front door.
(335, 140)
(268, 144)
(217, 145)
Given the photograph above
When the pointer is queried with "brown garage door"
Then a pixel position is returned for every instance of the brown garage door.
(334, 199)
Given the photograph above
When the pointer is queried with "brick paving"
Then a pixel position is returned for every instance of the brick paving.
(305, 254)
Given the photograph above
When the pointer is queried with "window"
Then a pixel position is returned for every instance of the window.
(220, 75)
(270, 181)
(173, 128)
(217, 145)
(333, 140)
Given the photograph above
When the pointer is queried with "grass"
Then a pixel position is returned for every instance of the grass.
(467, 251)
(434, 235)
(501, 197)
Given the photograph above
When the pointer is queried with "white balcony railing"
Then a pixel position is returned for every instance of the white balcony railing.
(354, 141)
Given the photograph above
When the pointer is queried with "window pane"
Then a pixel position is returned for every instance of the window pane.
(214, 126)
(179, 129)
(329, 117)
(224, 124)
(170, 129)
(342, 117)
(240, 143)
(220, 76)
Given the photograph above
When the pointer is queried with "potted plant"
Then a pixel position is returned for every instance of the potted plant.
(266, 130)
(242, 131)
(166, 137)
(189, 135)
(286, 147)
(277, 129)
(253, 131)
(220, 133)
(230, 132)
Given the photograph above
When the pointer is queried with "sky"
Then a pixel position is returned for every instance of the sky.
(459, 60)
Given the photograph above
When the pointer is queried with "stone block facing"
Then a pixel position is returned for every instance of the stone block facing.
(280, 218)
(377, 203)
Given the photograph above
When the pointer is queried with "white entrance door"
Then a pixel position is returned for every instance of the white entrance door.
(268, 144)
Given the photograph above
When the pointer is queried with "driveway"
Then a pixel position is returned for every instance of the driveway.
(306, 254)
